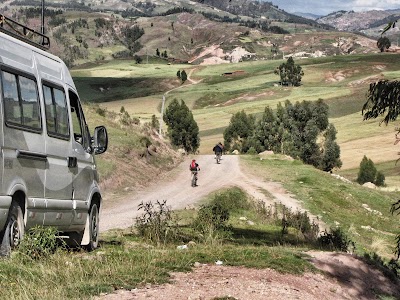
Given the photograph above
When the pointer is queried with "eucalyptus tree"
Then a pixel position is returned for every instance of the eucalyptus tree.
(183, 130)
(290, 73)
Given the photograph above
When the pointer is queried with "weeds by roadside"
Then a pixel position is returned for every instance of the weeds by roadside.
(39, 242)
(131, 258)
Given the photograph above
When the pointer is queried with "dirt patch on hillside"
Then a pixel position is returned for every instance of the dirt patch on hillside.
(343, 276)
(340, 75)
(247, 97)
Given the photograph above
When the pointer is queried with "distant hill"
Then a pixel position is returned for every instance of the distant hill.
(196, 32)
(244, 8)
(307, 15)
(368, 22)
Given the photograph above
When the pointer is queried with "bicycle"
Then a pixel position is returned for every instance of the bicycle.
(218, 157)
(194, 178)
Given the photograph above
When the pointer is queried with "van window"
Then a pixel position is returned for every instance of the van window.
(80, 128)
(21, 104)
(56, 111)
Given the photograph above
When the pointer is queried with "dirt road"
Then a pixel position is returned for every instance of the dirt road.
(347, 277)
(177, 190)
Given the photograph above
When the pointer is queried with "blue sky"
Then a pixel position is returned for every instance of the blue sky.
(324, 7)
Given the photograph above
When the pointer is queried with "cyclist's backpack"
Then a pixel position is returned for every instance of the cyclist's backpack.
(193, 166)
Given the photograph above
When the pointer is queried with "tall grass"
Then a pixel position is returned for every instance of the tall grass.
(363, 213)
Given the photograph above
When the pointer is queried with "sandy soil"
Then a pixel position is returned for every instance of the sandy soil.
(342, 276)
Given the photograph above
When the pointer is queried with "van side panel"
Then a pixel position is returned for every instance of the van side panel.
(23, 151)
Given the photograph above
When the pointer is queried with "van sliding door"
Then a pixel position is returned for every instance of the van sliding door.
(58, 191)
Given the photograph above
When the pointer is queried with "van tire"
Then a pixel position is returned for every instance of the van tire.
(93, 228)
(13, 231)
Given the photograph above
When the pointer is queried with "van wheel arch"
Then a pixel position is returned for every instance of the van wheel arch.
(14, 229)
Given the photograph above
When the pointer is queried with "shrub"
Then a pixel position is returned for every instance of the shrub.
(367, 171)
(252, 151)
(101, 111)
(232, 200)
(154, 122)
(39, 242)
(380, 179)
(211, 217)
(301, 222)
(335, 240)
(157, 223)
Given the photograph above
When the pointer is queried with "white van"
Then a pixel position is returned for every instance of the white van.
(47, 167)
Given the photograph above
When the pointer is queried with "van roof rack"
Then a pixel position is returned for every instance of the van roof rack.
(24, 33)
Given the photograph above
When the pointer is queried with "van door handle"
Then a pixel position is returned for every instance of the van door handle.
(72, 162)
(31, 155)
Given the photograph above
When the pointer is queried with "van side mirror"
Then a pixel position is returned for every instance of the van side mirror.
(100, 140)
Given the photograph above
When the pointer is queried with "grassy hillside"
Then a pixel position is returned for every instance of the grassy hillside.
(341, 81)
(135, 156)
(96, 35)
(362, 213)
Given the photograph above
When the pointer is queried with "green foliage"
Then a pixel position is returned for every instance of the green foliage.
(251, 151)
(395, 208)
(39, 242)
(383, 97)
(101, 111)
(268, 132)
(182, 128)
(290, 73)
(183, 76)
(380, 179)
(127, 120)
(383, 43)
(233, 199)
(57, 21)
(154, 122)
(301, 222)
(295, 129)
(137, 59)
(238, 132)
(212, 219)
(156, 224)
(131, 34)
(367, 172)
(330, 151)
(335, 240)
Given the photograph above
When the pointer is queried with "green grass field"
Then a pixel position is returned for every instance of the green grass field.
(341, 81)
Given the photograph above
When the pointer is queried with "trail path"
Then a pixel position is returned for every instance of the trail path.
(177, 190)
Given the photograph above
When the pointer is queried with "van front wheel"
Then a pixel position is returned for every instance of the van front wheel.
(14, 229)
(93, 227)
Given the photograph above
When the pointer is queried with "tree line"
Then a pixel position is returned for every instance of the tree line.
(300, 130)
